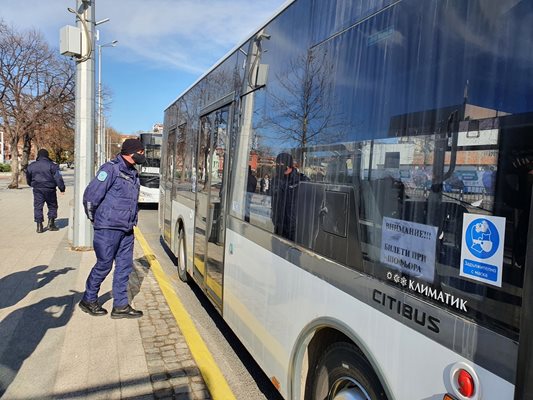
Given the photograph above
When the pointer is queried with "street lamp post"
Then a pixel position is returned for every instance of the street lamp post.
(84, 134)
(101, 132)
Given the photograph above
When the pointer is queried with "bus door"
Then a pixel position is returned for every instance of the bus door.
(514, 201)
(167, 186)
(211, 171)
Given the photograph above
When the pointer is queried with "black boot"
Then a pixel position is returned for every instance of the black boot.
(52, 225)
(126, 311)
(93, 309)
(40, 227)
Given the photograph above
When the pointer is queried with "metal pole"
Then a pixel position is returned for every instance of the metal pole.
(106, 154)
(107, 140)
(101, 119)
(84, 137)
(101, 148)
(1, 146)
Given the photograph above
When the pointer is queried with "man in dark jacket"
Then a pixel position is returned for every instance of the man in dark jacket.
(111, 203)
(285, 196)
(44, 176)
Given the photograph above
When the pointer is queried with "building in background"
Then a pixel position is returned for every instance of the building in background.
(158, 128)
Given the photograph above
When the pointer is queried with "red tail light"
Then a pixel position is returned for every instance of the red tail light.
(466, 383)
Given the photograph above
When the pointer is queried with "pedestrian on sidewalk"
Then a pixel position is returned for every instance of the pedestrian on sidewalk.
(111, 203)
(44, 176)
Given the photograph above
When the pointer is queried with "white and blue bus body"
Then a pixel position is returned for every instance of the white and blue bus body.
(408, 275)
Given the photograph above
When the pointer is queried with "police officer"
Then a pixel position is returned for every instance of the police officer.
(111, 203)
(44, 176)
(285, 196)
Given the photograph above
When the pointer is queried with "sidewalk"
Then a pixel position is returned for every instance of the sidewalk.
(50, 349)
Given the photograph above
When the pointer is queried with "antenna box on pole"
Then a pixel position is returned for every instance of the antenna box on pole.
(70, 41)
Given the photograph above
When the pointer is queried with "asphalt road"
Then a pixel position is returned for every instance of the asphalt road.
(243, 375)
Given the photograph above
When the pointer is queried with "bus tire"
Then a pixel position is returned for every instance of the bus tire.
(341, 373)
(182, 263)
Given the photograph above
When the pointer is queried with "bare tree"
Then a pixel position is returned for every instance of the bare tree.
(114, 141)
(57, 131)
(303, 108)
(34, 84)
(57, 134)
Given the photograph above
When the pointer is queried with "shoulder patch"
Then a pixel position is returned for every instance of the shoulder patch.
(102, 176)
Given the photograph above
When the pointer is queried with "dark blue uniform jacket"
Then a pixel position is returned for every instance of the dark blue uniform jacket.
(44, 174)
(285, 201)
(111, 198)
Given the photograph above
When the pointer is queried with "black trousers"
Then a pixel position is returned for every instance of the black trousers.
(41, 196)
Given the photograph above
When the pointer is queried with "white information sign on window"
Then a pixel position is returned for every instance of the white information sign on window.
(409, 247)
(482, 248)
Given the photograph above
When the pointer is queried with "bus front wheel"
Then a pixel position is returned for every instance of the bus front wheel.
(182, 265)
(344, 373)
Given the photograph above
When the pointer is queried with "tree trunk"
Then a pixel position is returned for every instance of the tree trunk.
(58, 152)
(14, 165)
(26, 150)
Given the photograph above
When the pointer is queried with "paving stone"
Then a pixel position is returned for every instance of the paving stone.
(197, 387)
(161, 385)
(155, 363)
(150, 349)
(166, 393)
(180, 389)
(202, 395)
(153, 356)
(169, 353)
(189, 363)
(159, 377)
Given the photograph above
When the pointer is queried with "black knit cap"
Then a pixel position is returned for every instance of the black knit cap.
(284, 159)
(42, 153)
(131, 146)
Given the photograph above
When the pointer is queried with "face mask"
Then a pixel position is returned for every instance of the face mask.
(280, 170)
(138, 158)
(486, 246)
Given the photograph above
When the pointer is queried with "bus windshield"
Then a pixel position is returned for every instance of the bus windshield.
(149, 171)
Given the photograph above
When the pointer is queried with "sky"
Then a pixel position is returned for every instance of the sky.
(163, 46)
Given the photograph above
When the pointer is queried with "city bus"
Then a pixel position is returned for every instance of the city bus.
(149, 171)
(396, 142)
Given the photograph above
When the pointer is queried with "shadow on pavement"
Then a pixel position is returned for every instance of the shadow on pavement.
(137, 388)
(104, 298)
(168, 252)
(62, 223)
(148, 206)
(14, 287)
(140, 269)
(23, 329)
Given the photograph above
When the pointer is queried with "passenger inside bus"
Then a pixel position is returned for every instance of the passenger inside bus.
(251, 185)
(285, 186)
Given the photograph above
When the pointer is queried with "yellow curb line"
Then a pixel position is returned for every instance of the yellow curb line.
(215, 381)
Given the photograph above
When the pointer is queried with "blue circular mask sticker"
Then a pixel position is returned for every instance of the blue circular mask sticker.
(482, 238)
